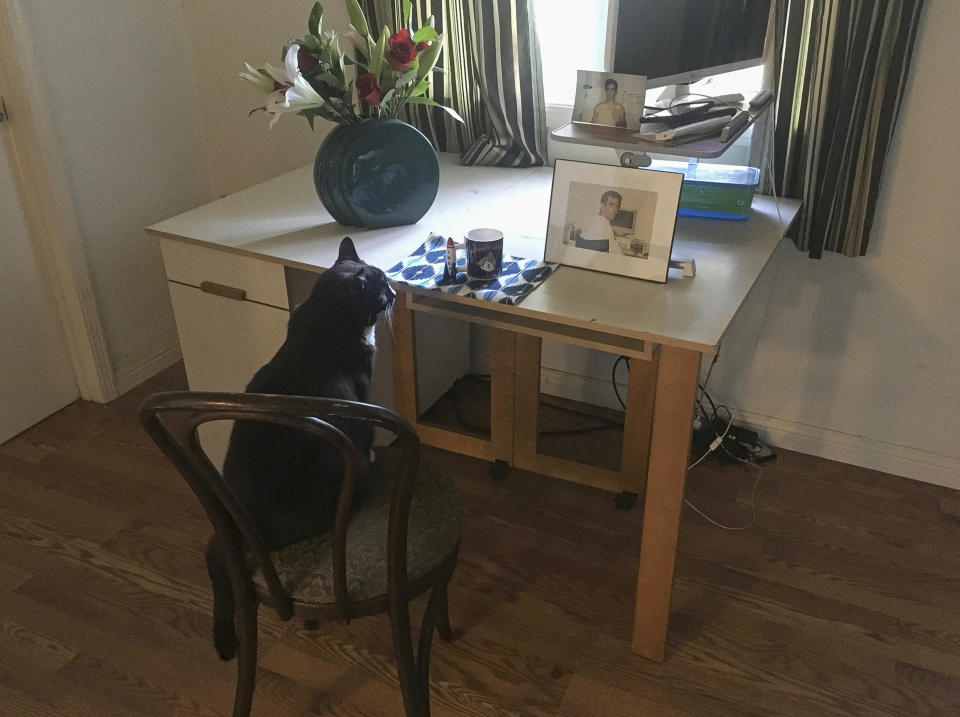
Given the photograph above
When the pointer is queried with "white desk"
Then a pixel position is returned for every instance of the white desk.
(253, 239)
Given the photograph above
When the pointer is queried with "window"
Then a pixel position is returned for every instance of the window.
(572, 37)
(576, 40)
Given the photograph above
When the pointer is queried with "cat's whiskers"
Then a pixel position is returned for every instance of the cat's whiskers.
(388, 319)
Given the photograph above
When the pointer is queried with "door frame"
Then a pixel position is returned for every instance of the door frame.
(51, 217)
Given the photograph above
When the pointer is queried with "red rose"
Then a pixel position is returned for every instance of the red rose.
(421, 46)
(402, 51)
(305, 60)
(368, 90)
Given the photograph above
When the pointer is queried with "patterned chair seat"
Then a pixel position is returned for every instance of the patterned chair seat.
(305, 568)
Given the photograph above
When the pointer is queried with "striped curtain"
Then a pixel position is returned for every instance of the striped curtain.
(492, 79)
(840, 70)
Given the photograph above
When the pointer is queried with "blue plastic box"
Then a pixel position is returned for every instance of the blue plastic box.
(719, 191)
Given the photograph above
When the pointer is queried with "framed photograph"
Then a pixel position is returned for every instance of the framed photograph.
(614, 219)
(609, 98)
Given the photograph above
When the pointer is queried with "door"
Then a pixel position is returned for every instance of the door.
(36, 372)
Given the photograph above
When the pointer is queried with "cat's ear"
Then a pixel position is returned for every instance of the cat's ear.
(348, 252)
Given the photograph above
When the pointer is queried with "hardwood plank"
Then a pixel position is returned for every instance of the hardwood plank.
(20, 704)
(586, 697)
(840, 599)
(139, 694)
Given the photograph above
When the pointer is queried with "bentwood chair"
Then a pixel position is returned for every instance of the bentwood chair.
(401, 542)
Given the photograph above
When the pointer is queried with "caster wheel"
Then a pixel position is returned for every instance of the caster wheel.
(498, 469)
(625, 501)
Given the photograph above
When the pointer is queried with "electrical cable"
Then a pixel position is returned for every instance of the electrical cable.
(613, 378)
(753, 505)
(708, 100)
(718, 441)
(605, 423)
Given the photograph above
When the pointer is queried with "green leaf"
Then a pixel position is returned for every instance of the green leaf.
(357, 19)
(421, 87)
(407, 13)
(310, 42)
(376, 57)
(316, 19)
(432, 103)
(330, 79)
(388, 96)
(428, 58)
(425, 34)
(360, 43)
(408, 76)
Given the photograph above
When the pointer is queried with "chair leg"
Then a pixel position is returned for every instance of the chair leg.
(246, 623)
(406, 662)
(443, 615)
(430, 615)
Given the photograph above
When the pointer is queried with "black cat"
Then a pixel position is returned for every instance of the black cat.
(288, 480)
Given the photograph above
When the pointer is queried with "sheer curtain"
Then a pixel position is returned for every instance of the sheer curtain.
(493, 79)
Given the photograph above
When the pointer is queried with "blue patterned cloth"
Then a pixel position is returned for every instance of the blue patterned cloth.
(424, 269)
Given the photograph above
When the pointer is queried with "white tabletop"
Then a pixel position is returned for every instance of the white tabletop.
(282, 220)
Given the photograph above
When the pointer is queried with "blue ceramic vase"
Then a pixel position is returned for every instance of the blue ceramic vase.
(376, 173)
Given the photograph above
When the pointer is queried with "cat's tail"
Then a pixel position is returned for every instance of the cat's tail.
(224, 633)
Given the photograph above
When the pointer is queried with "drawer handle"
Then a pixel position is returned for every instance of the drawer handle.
(228, 292)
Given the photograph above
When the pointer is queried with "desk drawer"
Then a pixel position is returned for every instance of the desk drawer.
(224, 343)
(225, 274)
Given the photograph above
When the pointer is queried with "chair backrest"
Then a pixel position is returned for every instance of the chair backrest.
(172, 419)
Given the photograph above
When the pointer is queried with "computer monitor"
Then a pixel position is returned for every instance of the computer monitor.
(623, 222)
(677, 42)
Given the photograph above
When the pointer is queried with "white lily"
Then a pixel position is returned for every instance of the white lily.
(288, 73)
(260, 78)
(297, 94)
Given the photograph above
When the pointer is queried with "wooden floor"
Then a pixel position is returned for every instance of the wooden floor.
(843, 598)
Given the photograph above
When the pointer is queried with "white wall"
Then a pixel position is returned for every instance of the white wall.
(117, 79)
(223, 34)
(151, 120)
(854, 357)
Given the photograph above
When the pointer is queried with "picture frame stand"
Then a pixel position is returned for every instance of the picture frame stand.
(689, 266)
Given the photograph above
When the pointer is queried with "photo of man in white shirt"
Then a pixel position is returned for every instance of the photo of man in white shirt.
(594, 232)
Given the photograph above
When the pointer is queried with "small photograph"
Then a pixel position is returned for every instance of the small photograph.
(614, 219)
(609, 98)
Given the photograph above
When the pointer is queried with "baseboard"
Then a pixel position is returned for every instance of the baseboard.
(587, 389)
(856, 450)
(826, 443)
(138, 370)
(573, 386)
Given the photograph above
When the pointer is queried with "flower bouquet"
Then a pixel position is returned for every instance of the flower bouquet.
(392, 70)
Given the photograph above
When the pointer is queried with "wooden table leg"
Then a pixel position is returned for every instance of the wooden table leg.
(666, 477)
(638, 423)
(526, 401)
(405, 358)
(502, 350)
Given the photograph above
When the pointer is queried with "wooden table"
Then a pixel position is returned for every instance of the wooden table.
(266, 239)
